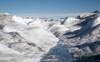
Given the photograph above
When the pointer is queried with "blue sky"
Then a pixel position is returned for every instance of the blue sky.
(48, 8)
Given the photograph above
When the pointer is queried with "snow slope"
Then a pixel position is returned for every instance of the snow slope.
(50, 40)
(31, 41)
(80, 42)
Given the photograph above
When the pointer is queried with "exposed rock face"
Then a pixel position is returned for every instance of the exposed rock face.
(1, 27)
(97, 11)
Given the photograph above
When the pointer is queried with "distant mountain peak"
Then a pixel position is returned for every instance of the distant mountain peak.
(97, 11)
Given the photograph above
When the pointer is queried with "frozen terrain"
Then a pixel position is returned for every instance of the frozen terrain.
(50, 40)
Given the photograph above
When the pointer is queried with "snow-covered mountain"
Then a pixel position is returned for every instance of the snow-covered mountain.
(29, 38)
(50, 40)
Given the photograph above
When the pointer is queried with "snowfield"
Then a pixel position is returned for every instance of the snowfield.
(50, 40)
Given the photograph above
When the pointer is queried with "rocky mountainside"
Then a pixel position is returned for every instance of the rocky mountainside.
(50, 40)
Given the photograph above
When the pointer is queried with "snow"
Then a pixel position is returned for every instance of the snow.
(70, 21)
(85, 15)
(7, 50)
(18, 19)
(41, 40)
(26, 36)
(6, 14)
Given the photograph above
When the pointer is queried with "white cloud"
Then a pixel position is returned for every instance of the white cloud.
(49, 15)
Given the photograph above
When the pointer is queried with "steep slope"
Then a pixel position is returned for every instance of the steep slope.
(79, 39)
(85, 42)
(50, 40)
(31, 42)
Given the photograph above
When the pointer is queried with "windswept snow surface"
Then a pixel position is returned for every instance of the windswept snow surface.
(29, 40)
(50, 40)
